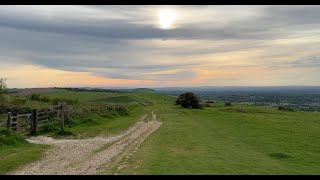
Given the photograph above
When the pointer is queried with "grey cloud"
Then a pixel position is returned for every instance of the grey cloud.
(180, 75)
(89, 44)
(303, 62)
(309, 61)
(138, 75)
(265, 26)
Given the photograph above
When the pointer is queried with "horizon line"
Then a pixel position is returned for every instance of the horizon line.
(134, 87)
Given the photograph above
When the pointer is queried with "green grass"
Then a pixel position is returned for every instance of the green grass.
(98, 126)
(117, 99)
(3, 120)
(12, 157)
(261, 140)
(15, 151)
(240, 139)
(104, 97)
(84, 96)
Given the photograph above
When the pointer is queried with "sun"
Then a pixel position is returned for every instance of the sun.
(166, 18)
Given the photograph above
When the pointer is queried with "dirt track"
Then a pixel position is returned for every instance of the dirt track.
(88, 156)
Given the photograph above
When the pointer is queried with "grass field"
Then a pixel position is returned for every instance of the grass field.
(240, 139)
(12, 157)
(15, 151)
(237, 140)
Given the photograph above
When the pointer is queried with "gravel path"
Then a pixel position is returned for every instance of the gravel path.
(87, 156)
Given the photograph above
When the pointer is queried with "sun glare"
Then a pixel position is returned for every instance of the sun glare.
(166, 18)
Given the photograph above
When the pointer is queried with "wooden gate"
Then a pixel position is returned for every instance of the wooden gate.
(16, 121)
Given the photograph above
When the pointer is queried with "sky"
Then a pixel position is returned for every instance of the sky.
(157, 46)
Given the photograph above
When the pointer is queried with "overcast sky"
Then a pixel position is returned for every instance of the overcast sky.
(42, 46)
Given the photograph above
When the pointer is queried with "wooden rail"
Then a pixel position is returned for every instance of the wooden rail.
(35, 116)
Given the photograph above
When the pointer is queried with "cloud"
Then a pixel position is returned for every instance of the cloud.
(309, 61)
(262, 24)
(125, 42)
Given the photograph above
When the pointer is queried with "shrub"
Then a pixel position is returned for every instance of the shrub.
(206, 105)
(18, 101)
(35, 97)
(20, 109)
(64, 133)
(189, 100)
(55, 101)
(9, 137)
(280, 155)
(105, 111)
(235, 110)
(45, 99)
(49, 127)
(280, 108)
(88, 121)
(227, 104)
(69, 122)
(210, 101)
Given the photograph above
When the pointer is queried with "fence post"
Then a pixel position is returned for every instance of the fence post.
(62, 116)
(34, 122)
(15, 121)
(9, 120)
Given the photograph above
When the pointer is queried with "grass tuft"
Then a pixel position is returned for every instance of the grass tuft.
(280, 156)
(9, 137)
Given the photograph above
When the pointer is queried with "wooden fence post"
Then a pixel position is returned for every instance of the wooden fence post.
(34, 122)
(62, 116)
(9, 120)
(15, 121)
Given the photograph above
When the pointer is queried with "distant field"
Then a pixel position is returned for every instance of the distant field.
(299, 98)
(26, 92)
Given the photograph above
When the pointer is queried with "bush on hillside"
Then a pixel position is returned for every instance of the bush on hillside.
(35, 97)
(206, 105)
(189, 100)
(20, 109)
(55, 101)
(227, 104)
(210, 101)
(45, 99)
(280, 108)
(18, 100)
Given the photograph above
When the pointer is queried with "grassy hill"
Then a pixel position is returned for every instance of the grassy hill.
(240, 139)
(236, 140)
(229, 140)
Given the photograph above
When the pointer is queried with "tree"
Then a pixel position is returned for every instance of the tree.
(3, 92)
(189, 100)
(3, 86)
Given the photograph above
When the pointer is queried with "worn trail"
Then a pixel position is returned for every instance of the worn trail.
(87, 156)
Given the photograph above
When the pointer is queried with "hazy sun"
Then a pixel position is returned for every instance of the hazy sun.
(166, 18)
